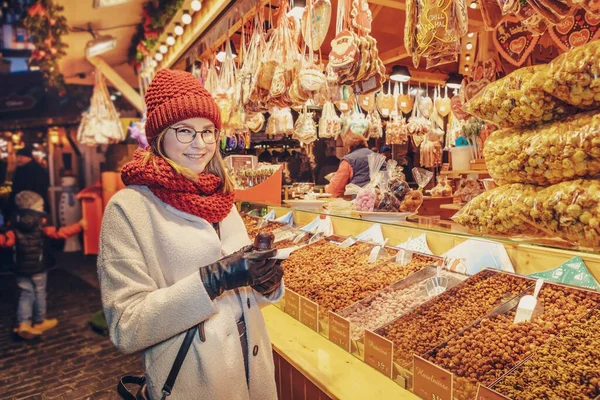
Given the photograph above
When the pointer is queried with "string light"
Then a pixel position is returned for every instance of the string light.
(473, 4)
(158, 57)
(471, 34)
(469, 46)
(196, 5)
(468, 57)
(163, 48)
(153, 63)
(178, 29)
(170, 40)
(186, 18)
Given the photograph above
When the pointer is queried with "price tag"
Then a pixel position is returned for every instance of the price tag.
(339, 331)
(343, 106)
(403, 257)
(366, 102)
(403, 104)
(379, 352)
(485, 393)
(385, 111)
(309, 313)
(430, 381)
(292, 304)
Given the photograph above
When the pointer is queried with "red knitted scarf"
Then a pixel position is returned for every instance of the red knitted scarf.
(202, 198)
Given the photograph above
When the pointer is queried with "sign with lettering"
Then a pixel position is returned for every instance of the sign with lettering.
(292, 304)
(430, 381)
(309, 313)
(339, 331)
(379, 353)
(14, 102)
(514, 41)
(485, 393)
(576, 30)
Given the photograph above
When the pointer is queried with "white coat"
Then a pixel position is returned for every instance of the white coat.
(152, 293)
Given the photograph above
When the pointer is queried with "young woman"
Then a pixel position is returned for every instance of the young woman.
(354, 167)
(175, 253)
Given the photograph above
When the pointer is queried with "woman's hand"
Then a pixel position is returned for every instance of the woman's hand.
(243, 268)
(268, 287)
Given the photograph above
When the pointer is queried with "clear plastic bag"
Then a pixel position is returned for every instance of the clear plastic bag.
(550, 154)
(570, 210)
(367, 196)
(518, 100)
(504, 210)
(574, 76)
(414, 198)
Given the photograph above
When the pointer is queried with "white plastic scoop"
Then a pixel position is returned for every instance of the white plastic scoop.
(528, 304)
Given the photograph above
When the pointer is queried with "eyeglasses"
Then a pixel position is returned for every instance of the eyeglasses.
(187, 135)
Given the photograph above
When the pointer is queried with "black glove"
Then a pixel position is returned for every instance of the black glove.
(268, 287)
(242, 268)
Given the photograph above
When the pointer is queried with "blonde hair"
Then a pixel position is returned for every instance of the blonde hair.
(215, 166)
(352, 141)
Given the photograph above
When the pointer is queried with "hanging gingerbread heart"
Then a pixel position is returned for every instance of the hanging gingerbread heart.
(315, 21)
(361, 16)
(457, 107)
(514, 41)
(576, 30)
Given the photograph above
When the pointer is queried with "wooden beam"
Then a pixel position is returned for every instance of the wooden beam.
(235, 27)
(433, 78)
(128, 92)
(200, 21)
(393, 55)
(376, 10)
(475, 18)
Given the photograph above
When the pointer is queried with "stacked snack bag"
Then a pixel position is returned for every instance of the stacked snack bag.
(547, 155)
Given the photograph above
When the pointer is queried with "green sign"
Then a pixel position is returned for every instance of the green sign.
(572, 272)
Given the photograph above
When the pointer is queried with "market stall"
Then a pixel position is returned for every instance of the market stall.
(490, 114)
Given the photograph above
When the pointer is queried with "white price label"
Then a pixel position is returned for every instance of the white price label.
(343, 106)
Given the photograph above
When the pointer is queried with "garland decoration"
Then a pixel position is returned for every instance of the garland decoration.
(155, 16)
(46, 26)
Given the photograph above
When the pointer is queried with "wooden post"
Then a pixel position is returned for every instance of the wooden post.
(128, 92)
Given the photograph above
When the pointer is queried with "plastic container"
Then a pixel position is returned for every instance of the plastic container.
(461, 158)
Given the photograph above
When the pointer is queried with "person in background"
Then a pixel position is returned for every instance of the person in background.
(265, 157)
(305, 168)
(175, 254)
(29, 175)
(27, 232)
(386, 151)
(354, 167)
(294, 166)
(331, 164)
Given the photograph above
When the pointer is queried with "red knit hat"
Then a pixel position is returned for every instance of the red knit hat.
(174, 96)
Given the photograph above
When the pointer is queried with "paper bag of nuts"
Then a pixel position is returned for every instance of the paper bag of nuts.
(570, 210)
(518, 100)
(574, 76)
(547, 155)
(503, 210)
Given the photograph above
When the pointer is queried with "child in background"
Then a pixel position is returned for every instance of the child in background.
(26, 231)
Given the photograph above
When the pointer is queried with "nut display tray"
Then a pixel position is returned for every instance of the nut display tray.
(492, 346)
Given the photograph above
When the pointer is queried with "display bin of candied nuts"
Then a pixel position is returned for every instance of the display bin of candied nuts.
(252, 225)
(492, 346)
(567, 367)
(396, 300)
(430, 324)
(336, 277)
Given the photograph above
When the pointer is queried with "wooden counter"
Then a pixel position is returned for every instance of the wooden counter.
(335, 372)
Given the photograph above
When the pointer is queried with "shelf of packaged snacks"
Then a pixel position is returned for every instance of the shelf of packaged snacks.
(334, 371)
(528, 256)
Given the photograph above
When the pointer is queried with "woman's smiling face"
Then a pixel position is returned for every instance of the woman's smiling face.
(185, 142)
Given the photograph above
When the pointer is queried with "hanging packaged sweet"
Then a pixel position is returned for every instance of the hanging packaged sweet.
(329, 123)
(442, 104)
(315, 23)
(255, 121)
(305, 129)
(375, 125)
(405, 101)
(385, 102)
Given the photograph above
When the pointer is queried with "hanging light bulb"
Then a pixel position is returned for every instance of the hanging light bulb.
(163, 48)
(471, 34)
(466, 68)
(178, 29)
(170, 40)
(468, 57)
(473, 4)
(196, 5)
(469, 46)
(153, 63)
(186, 18)
(158, 56)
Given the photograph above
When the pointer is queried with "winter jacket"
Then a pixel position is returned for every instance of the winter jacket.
(152, 294)
(354, 168)
(29, 237)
